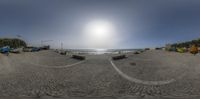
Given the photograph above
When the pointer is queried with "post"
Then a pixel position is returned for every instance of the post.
(61, 46)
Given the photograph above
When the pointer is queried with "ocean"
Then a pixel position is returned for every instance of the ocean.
(101, 51)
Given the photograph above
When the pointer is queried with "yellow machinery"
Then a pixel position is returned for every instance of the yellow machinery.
(194, 49)
(180, 50)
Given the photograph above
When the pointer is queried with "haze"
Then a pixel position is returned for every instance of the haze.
(132, 23)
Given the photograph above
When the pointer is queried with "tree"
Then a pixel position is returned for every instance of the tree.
(12, 42)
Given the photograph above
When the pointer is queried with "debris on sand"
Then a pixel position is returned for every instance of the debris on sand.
(119, 57)
(136, 52)
(133, 63)
(78, 57)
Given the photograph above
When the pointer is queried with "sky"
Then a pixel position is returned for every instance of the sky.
(135, 23)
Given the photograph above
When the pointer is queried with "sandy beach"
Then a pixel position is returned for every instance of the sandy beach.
(155, 75)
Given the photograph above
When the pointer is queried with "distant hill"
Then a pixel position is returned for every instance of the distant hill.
(12, 42)
(188, 43)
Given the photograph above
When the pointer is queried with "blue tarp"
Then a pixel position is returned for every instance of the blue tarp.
(5, 49)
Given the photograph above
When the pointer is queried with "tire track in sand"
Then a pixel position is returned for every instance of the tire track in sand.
(125, 76)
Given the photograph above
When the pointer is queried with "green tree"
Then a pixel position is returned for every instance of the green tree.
(12, 42)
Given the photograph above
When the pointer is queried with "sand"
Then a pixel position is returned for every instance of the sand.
(47, 74)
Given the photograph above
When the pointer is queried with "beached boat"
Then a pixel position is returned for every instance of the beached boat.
(5, 49)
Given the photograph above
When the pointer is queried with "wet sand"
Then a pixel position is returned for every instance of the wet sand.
(36, 75)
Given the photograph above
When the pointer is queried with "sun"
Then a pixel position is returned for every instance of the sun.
(99, 34)
(99, 29)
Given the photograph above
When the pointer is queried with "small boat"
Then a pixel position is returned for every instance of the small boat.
(5, 49)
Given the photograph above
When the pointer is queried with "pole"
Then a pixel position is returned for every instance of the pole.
(61, 46)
